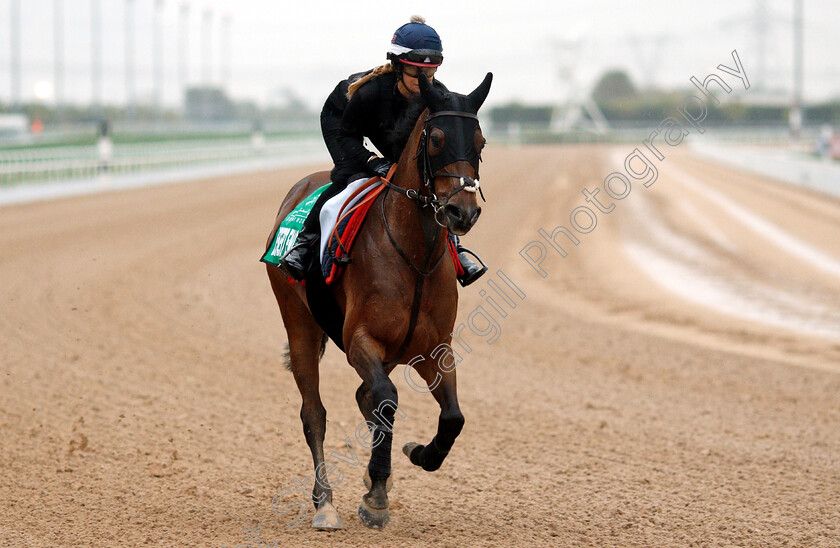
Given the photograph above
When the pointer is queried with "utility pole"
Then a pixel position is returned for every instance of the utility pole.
(762, 28)
(157, 62)
(58, 53)
(96, 54)
(226, 49)
(130, 91)
(183, 47)
(796, 115)
(206, 47)
(14, 36)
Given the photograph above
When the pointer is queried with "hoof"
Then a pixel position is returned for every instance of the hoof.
(409, 447)
(368, 484)
(373, 517)
(326, 518)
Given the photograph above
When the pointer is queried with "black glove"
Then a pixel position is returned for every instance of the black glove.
(380, 166)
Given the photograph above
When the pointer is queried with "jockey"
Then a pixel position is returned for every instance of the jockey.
(370, 104)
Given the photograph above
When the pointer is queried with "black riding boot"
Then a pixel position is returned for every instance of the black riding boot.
(297, 262)
(299, 259)
(472, 271)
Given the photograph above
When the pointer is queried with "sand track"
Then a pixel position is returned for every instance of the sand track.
(143, 401)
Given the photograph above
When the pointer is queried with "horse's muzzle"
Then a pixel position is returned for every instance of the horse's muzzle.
(460, 219)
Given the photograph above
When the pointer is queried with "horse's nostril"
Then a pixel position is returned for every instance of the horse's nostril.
(474, 216)
(455, 212)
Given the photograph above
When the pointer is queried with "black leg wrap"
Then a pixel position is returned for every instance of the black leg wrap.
(384, 395)
(380, 458)
(428, 457)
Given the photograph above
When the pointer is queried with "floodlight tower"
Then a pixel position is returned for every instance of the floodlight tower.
(764, 24)
(183, 46)
(96, 54)
(578, 102)
(761, 22)
(14, 36)
(226, 49)
(649, 51)
(158, 57)
(796, 117)
(206, 46)
(58, 53)
(130, 91)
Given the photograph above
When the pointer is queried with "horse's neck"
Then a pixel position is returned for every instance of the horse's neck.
(410, 224)
(414, 229)
(407, 174)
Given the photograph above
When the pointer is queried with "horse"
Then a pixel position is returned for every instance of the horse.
(398, 296)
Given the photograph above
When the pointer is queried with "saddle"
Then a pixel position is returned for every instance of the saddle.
(340, 219)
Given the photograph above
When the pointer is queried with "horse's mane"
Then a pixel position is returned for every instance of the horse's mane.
(403, 127)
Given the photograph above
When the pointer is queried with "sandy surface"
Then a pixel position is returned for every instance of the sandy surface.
(143, 400)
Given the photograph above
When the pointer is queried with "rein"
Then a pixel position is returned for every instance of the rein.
(438, 204)
(424, 200)
(423, 273)
(420, 279)
(431, 199)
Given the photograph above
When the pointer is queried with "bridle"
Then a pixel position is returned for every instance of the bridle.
(467, 184)
(423, 200)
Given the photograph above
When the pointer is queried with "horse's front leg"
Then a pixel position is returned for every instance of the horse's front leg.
(443, 387)
(366, 356)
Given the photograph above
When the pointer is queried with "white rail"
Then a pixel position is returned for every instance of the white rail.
(53, 164)
(778, 163)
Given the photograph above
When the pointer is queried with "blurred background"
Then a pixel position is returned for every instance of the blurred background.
(128, 86)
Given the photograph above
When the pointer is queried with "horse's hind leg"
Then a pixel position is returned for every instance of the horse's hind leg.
(306, 344)
(443, 387)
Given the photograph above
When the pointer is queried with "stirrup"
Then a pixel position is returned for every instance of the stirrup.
(461, 249)
(469, 277)
(297, 261)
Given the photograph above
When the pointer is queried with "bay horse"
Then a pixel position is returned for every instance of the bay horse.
(398, 295)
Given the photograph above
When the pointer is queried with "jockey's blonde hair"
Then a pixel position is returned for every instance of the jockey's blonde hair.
(378, 71)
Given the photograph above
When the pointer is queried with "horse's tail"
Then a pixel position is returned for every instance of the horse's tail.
(287, 358)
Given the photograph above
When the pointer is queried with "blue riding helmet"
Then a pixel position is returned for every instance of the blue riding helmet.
(417, 44)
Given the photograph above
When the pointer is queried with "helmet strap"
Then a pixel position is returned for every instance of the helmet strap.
(402, 88)
(398, 69)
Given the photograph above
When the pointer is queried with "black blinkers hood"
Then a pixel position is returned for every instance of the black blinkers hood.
(459, 143)
(455, 115)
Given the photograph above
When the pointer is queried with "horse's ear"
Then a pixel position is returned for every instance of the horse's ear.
(479, 94)
(427, 92)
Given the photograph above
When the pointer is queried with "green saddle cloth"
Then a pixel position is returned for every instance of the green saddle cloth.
(289, 229)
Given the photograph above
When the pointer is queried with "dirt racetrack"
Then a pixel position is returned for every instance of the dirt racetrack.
(143, 400)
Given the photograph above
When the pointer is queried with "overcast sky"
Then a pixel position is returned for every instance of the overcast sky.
(308, 45)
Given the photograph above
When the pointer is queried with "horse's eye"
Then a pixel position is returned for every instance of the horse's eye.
(479, 142)
(435, 140)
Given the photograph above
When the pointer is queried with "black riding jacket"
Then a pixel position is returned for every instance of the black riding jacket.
(373, 112)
